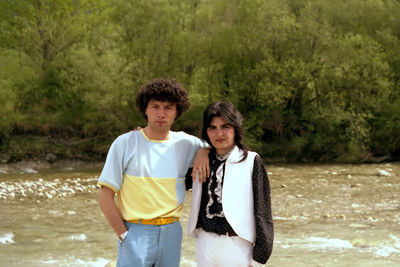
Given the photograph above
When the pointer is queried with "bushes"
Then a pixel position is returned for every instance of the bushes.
(313, 79)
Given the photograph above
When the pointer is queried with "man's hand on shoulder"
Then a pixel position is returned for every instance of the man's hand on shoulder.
(201, 165)
(137, 129)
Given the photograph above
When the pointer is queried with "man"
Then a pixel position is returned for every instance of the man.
(145, 169)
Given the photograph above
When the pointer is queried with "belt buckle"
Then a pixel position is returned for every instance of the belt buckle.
(157, 221)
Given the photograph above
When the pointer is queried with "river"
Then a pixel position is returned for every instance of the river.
(324, 215)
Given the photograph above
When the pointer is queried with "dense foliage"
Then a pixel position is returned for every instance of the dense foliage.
(314, 79)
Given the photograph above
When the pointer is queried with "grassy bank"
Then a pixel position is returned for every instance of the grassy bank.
(52, 149)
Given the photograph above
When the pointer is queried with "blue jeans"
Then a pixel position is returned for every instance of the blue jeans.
(151, 246)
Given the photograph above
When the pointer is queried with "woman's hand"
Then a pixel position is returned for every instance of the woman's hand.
(137, 129)
(201, 165)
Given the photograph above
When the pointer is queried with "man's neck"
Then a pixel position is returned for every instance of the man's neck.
(155, 135)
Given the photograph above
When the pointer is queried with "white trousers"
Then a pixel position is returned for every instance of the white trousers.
(214, 250)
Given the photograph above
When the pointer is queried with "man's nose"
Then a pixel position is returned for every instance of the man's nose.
(161, 114)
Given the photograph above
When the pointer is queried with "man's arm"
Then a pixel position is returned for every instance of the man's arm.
(110, 210)
(201, 165)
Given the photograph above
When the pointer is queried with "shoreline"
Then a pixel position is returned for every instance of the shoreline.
(34, 166)
(30, 153)
(37, 165)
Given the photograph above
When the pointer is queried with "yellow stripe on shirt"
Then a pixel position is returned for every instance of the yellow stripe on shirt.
(148, 198)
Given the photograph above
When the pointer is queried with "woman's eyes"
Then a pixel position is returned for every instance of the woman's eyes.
(226, 126)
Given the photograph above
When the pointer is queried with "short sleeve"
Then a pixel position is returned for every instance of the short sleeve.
(196, 145)
(112, 173)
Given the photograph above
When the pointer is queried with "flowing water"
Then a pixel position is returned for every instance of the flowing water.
(325, 215)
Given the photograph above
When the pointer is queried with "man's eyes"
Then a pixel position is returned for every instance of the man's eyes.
(157, 107)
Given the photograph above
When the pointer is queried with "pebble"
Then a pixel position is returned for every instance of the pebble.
(71, 212)
(383, 173)
(359, 242)
(28, 170)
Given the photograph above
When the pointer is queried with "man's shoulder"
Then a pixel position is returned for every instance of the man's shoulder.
(182, 135)
(123, 138)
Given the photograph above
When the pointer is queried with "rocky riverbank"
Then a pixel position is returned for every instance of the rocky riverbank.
(32, 151)
(35, 166)
(28, 153)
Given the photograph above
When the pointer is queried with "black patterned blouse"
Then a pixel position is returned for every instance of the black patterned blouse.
(211, 215)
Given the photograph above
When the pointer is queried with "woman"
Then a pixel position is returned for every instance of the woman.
(231, 212)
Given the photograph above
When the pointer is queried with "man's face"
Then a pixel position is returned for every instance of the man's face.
(161, 115)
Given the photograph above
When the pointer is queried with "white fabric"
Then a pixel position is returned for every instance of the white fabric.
(214, 250)
(253, 263)
(237, 197)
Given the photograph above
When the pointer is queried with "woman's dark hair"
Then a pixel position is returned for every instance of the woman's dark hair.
(163, 90)
(228, 112)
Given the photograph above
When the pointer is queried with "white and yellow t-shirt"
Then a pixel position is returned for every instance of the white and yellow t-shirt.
(149, 175)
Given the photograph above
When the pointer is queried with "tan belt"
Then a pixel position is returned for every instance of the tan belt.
(156, 221)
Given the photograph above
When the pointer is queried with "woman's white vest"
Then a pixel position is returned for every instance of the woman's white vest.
(237, 196)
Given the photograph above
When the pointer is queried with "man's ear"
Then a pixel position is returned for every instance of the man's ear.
(177, 115)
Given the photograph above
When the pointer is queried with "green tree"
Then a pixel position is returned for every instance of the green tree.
(46, 33)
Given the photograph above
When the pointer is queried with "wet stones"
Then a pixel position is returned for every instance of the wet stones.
(46, 189)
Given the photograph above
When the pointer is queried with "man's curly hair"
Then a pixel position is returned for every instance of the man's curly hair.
(161, 89)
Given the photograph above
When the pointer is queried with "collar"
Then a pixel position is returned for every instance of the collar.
(235, 155)
(224, 156)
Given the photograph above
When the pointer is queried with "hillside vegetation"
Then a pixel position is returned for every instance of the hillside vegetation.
(316, 80)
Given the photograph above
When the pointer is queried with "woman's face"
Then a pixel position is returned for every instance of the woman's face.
(221, 135)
